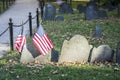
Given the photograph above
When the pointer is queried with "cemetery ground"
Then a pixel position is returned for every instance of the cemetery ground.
(12, 69)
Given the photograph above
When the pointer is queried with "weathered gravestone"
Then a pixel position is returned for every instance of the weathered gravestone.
(102, 53)
(81, 8)
(65, 8)
(108, 6)
(59, 18)
(30, 54)
(102, 14)
(75, 50)
(118, 53)
(49, 12)
(91, 11)
(97, 32)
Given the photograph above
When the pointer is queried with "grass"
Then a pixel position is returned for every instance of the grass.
(12, 69)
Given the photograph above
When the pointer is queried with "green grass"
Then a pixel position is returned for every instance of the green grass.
(12, 69)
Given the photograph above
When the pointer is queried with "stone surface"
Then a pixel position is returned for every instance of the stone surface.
(31, 54)
(76, 49)
(102, 14)
(98, 32)
(91, 13)
(102, 53)
(65, 8)
(81, 8)
(26, 56)
(49, 12)
(59, 18)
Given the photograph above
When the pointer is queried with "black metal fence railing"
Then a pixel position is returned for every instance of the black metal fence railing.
(4, 4)
(11, 26)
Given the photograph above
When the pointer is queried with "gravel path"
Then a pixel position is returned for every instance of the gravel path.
(19, 12)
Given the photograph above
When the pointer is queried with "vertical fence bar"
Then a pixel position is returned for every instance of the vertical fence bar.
(6, 3)
(41, 3)
(11, 34)
(37, 19)
(0, 9)
(3, 4)
(30, 23)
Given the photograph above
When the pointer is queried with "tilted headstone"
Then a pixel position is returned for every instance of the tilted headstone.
(59, 18)
(97, 32)
(75, 50)
(118, 53)
(102, 14)
(81, 8)
(102, 53)
(65, 8)
(91, 13)
(49, 12)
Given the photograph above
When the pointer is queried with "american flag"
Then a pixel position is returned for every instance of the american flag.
(19, 43)
(41, 41)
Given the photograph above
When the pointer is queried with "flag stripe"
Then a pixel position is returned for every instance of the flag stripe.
(39, 42)
(19, 43)
(38, 47)
(42, 41)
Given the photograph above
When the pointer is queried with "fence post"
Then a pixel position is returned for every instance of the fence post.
(0, 9)
(41, 3)
(6, 1)
(11, 34)
(30, 23)
(37, 19)
(3, 4)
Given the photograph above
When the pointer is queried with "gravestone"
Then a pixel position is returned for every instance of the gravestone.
(31, 54)
(102, 14)
(81, 8)
(93, 3)
(97, 32)
(26, 56)
(108, 6)
(75, 50)
(59, 18)
(91, 12)
(118, 53)
(102, 53)
(49, 12)
(65, 8)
